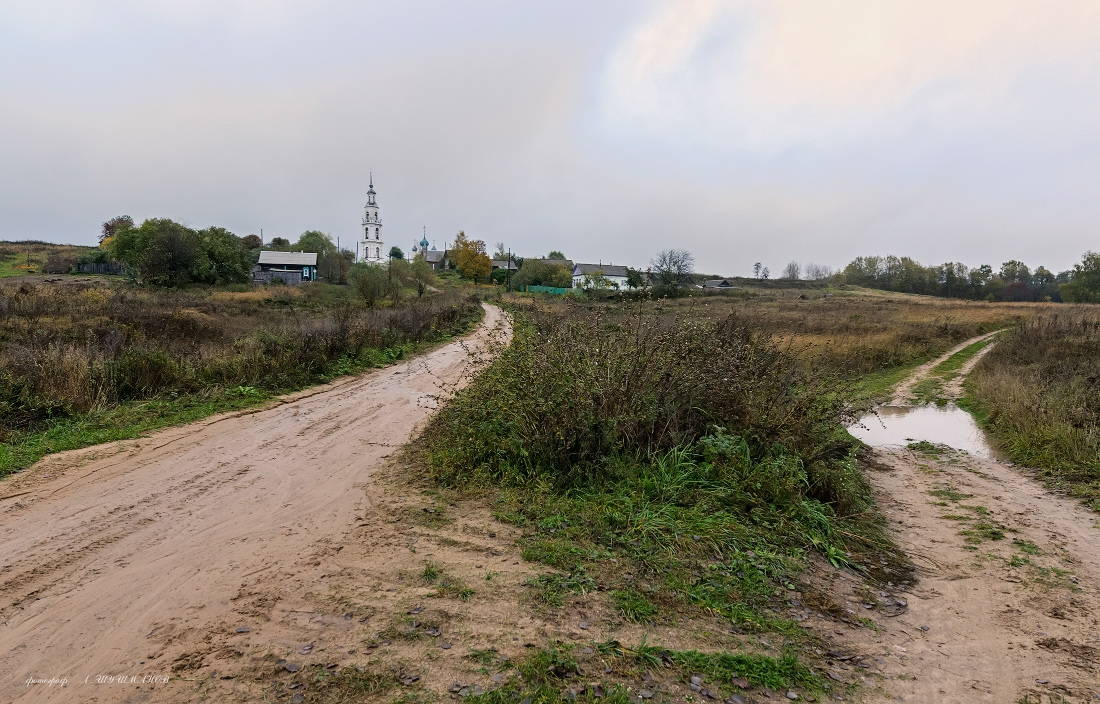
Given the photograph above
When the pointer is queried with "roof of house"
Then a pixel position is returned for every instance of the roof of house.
(605, 269)
(433, 255)
(503, 264)
(717, 283)
(301, 258)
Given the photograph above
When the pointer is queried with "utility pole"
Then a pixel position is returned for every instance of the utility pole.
(508, 273)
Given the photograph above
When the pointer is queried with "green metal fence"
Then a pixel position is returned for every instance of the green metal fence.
(548, 289)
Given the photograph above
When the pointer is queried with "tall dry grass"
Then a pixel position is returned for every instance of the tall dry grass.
(664, 438)
(861, 335)
(1038, 392)
(857, 335)
(68, 349)
(578, 390)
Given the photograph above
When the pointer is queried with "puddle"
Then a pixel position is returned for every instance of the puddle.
(897, 426)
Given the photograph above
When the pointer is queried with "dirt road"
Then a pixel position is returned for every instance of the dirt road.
(145, 558)
(903, 390)
(1007, 608)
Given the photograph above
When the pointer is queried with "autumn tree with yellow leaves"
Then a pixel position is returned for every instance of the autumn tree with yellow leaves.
(471, 259)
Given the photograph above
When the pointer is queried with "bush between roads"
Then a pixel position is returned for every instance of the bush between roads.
(575, 394)
(681, 467)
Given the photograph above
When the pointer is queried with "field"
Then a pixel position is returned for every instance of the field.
(29, 257)
(674, 474)
(89, 361)
(1038, 393)
(871, 338)
(687, 458)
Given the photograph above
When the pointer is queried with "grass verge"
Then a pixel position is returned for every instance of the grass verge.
(1037, 393)
(680, 469)
(610, 672)
(949, 368)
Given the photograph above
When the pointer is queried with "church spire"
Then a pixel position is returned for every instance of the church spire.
(371, 241)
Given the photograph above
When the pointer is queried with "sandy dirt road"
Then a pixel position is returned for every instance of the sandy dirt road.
(903, 390)
(1007, 607)
(127, 559)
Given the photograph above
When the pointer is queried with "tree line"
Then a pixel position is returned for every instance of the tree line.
(163, 252)
(1013, 281)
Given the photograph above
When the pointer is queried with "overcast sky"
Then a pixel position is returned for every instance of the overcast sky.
(608, 129)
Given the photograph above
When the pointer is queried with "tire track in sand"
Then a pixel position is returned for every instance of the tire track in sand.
(1007, 605)
(127, 561)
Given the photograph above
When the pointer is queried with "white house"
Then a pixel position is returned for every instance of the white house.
(371, 246)
(615, 275)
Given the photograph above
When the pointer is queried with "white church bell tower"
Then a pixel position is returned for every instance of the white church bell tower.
(372, 247)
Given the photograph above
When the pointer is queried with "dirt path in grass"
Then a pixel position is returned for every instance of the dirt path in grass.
(184, 554)
(903, 390)
(1007, 606)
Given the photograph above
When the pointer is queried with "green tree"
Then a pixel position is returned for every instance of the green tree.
(1085, 285)
(1015, 272)
(335, 266)
(634, 278)
(396, 253)
(224, 260)
(422, 276)
(397, 275)
(164, 253)
(279, 244)
(555, 254)
(252, 242)
(370, 282)
(316, 241)
(980, 279)
(536, 272)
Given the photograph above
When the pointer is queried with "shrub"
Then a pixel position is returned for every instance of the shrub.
(574, 391)
(166, 253)
(1036, 391)
(57, 263)
(370, 281)
(69, 350)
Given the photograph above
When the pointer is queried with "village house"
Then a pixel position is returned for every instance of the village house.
(615, 275)
(292, 267)
(435, 258)
(719, 283)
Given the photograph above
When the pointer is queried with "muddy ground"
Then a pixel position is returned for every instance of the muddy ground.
(244, 557)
